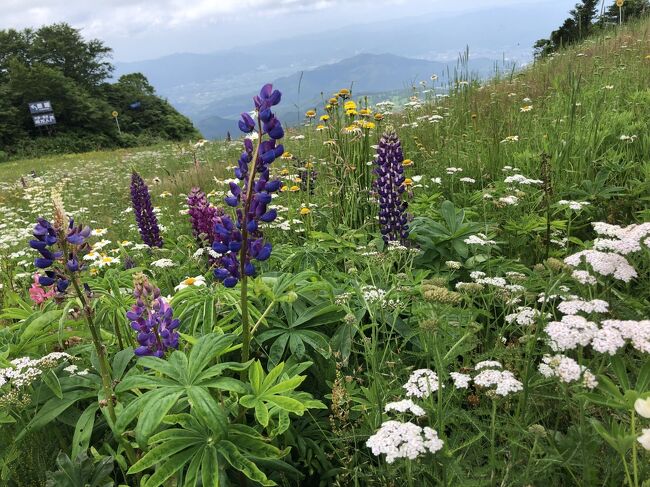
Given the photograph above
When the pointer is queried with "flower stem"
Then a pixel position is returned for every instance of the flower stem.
(99, 347)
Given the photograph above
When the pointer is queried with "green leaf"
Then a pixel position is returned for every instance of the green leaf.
(121, 361)
(286, 385)
(52, 409)
(170, 467)
(206, 349)
(239, 462)
(52, 381)
(40, 324)
(210, 469)
(262, 414)
(83, 430)
(160, 453)
(156, 406)
(208, 410)
(255, 376)
(273, 376)
(287, 403)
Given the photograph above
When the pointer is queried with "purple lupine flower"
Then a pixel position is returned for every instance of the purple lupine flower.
(203, 216)
(389, 184)
(152, 317)
(143, 210)
(60, 252)
(241, 241)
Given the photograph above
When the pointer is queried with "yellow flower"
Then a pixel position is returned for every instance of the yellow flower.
(379, 117)
(527, 108)
(310, 113)
(305, 211)
(321, 127)
(349, 105)
(344, 93)
(334, 101)
(294, 188)
(407, 162)
(297, 180)
(351, 113)
(286, 155)
(408, 182)
(474, 116)
(365, 112)
(367, 125)
(328, 107)
(94, 271)
(284, 172)
(324, 118)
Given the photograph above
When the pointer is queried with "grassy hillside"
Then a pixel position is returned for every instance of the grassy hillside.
(525, 365)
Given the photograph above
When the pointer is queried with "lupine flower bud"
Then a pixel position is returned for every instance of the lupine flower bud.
(390, 186)
(143, 210)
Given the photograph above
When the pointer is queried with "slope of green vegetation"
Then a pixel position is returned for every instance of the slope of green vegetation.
(505, 342)
(55, 64)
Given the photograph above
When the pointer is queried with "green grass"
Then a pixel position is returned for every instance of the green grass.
(578, 121)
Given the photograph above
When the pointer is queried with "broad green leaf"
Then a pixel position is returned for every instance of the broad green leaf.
(287, 403)
(238, 461)
(210, 468)
(208, 410)
(53, 408)
(83, 430)
(170, 467)
(160, 453)
(156, 406)
(262, 414)
(52, 381)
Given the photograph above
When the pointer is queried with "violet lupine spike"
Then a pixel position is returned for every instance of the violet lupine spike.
(203, 216)
(144, 214)
(389, 184)
(241, 242)
(152, 317)
(57, 265)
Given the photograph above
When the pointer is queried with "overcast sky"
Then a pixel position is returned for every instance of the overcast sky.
(143, 29)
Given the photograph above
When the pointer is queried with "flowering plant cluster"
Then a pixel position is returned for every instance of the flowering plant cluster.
(144, 214)
(203, 216)
(390, 186)
(60, 251)
(152, 317)
(241, 241)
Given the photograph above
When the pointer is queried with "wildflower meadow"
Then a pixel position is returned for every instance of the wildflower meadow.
(451, 288)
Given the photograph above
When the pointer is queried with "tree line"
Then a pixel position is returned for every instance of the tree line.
(587, 17)
(56, 63)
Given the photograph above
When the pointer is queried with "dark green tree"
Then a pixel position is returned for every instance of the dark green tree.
(632, 9)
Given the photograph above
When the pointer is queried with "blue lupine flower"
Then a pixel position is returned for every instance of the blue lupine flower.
(393, 218)
(241, 241)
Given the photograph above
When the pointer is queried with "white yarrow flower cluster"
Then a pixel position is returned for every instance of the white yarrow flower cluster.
(422, 383)
(403, 440)
(525, 316)
(479, 239)
(626, 240)
(574, 306)
(567, 370)
(504, 380)
(614, 335)
(521, 179)
(404, 406)
(569, 332)
(604, 263)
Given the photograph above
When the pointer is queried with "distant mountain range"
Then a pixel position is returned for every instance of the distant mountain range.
(216, 86)
(365, 74)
